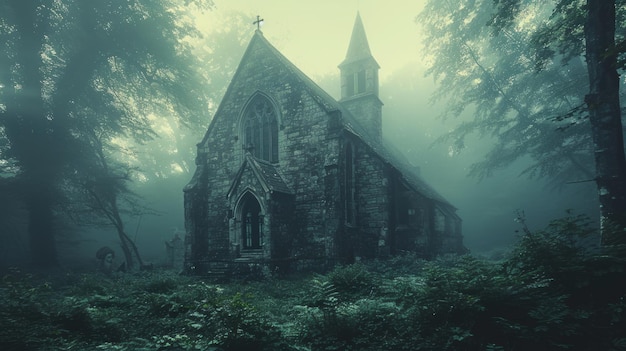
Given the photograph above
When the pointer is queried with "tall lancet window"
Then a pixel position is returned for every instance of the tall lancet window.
(260, 129)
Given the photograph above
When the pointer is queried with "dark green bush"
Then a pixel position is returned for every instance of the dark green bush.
(560, 290)
(353, 280)
(234, 324)
(552, 292)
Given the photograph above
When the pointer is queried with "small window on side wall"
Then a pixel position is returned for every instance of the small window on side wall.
(360, 82)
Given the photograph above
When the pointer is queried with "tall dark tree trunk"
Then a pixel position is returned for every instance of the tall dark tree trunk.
(605, 116)
(31, 132)
(40, 202)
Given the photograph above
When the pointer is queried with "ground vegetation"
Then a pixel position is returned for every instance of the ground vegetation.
(552, 291)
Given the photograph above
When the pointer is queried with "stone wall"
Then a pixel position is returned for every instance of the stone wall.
(372, 199)
(307, 226)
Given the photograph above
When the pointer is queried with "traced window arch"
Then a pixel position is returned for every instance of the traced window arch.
(260, 129)
(252, 223)
(350, 204)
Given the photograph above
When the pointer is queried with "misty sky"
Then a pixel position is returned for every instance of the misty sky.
(323, 27)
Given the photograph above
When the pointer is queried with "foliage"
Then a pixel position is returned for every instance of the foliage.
(553, 291)
(514, 71)
(544, 295)
(155, 310)
(354, 279)
(174, 150)
(552, 251)
(80, 79)
(235, 324)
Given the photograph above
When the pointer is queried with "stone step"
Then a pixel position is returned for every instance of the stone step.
(251, 254)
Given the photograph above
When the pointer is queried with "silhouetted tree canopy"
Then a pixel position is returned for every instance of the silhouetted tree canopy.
(540, 77)
(218, 54)
(74, 72)
(518, 69)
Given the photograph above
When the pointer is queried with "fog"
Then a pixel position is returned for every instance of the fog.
(315, 37)
(489, 207)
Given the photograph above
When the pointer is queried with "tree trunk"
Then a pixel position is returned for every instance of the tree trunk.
(605, 116)
(41, 225)
(31, 133)
(128, 245)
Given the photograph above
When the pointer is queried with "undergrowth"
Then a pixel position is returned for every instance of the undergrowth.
(549, 293)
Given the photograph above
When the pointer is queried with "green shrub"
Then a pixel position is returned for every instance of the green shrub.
(353, 280)
(24, 314)
(565, 291)
(234, 324)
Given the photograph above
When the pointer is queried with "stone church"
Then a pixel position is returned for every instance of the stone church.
(290, 179)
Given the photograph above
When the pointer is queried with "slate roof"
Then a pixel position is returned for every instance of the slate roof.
(268, 175)
(350, 123)
(359, 48)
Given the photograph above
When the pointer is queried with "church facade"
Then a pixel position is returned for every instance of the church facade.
(288, 178)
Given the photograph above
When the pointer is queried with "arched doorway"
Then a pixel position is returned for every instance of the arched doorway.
(252, 223)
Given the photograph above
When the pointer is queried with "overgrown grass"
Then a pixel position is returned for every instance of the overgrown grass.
(549, 293)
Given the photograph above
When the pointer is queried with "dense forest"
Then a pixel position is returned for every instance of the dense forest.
(101, 105)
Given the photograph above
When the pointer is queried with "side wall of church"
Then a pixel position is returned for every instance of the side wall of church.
(372, 197)
(195, 201)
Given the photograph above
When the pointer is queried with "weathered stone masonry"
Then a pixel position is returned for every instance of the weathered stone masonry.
(290, 179)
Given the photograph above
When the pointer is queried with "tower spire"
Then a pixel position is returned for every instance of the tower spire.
(359, 81)
(359, 47)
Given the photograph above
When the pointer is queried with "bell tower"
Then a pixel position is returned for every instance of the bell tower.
(359, 82)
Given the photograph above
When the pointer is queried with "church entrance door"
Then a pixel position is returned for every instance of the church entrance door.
(252, 228)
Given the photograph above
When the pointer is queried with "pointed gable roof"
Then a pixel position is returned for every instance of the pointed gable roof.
(258, 40)
(349, 122)
(267, 174)
(359, 48)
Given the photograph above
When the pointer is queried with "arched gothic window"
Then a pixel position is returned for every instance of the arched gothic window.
(260, 130)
